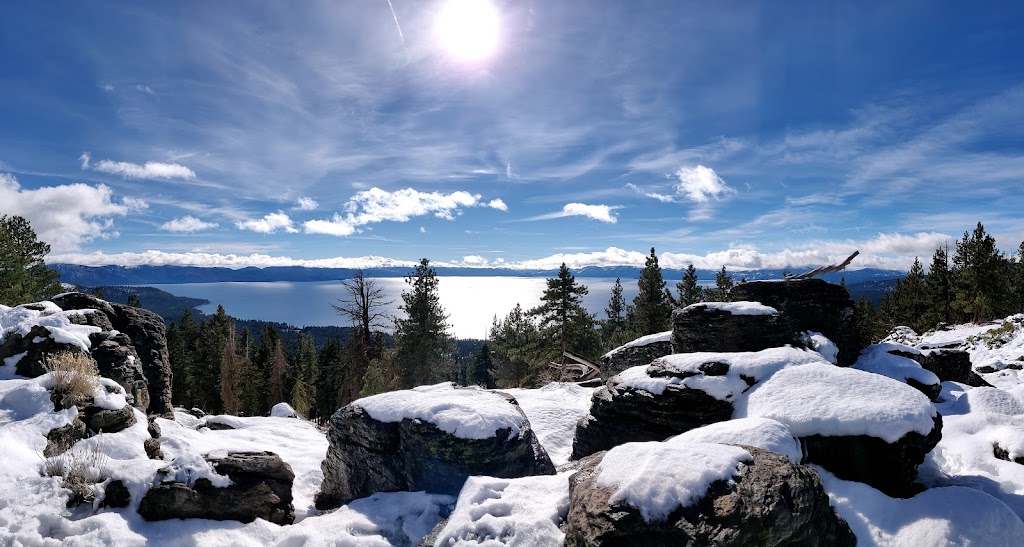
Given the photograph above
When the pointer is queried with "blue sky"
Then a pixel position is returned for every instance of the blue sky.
(511, 133)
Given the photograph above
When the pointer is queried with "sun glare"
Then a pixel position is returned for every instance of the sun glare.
(468, 29)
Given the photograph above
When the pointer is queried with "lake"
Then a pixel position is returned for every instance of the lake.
(470, 302)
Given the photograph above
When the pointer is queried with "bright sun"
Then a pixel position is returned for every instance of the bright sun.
(468, 29)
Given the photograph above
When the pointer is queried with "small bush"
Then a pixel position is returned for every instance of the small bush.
(80, 469)
(75, 377)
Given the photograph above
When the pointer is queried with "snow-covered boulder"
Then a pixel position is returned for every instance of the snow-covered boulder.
(639, 352)
(895, 361)
(950, 365)
(727, 326)
(809, 305)
(699, 494)
(861, 426)
(757, 432)
(675, 394)
(428, 438)
(240, 486)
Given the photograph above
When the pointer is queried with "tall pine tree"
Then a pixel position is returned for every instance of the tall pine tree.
(938, 289)
(564, 323)
(652, 307)
(23, 275)
(516, 348)
(424, 349)
(689, 291)
(980, 268)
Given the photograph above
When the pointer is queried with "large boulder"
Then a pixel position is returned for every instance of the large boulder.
(675, 394)
(148, 337)
(727, 326)
(260, 487)
(809, 305)
(428, 438)
(639, 352)
(699, 494)
(859, 425)
(950, 365)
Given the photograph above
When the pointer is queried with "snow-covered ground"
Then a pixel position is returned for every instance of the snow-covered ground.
(973, 497)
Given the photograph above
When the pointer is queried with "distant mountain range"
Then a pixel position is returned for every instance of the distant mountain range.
(94, 276)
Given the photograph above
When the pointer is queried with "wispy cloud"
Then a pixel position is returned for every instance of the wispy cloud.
(664, 198)
(269, 224)
(149, 170)
(305, 203)
(187, 223)
(85, 212)
(603, 213)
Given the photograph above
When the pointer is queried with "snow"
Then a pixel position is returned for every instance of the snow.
(821, 344)
(20, 320)
(822, 399)
(189, 467)
(656, 478)
(878, 359)
(495, 512)
(643, 341)
(553, 411)
(467, 413)
(742, 307)
(757, 432)
(283, 410)
(755, 365)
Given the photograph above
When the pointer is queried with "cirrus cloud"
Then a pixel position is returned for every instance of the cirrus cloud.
(149, 170)
(601, 213)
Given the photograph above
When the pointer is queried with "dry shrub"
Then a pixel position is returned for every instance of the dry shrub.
(75, 377)
(80, 469)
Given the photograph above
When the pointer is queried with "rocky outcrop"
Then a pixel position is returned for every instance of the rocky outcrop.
(770, 501)
(950, 365)
(809, 305)
(108, 421)
(633, 355)
(620, 414)
(148, 337)
(709, 327)
(368, 455)
(261, 488)
(116, 359)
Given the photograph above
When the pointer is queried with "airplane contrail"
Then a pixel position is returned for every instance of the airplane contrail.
(399, 27)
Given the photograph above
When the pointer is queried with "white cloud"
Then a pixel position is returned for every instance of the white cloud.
(337, 226)
(66, 216)
(423, 230)
(508, 171)
(108, 87)
(187, 223)
(474, 260)
(664, 198)
(305, 203)
(161, 258)
(699, 184)
(149, 170)
(497, 204)
(602, 213)
(144, 88)
(269, 224)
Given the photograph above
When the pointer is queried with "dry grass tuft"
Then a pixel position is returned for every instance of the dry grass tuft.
(75, 377)
(80, 469)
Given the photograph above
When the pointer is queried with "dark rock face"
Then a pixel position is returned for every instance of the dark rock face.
(61, 439)
(148, 337)
(770, 502)
(31, 365)
(1003, 454)
(262, 488)
(108, 421)
(621, 414)
(116, 359)
(950, 365)
(809, 305)
(702, 328)
(116, 495)
(367, 456)
(890, 468)
(622, 358)
(932, 391)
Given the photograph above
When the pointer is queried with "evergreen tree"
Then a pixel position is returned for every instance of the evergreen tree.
(306, 368)
(376, 379)
(24, 276)
(424, 350)
(689, 291)
(277, 383)
(205, 375)
(723, 282)
(481, 372)
(938, 291)
(980, 270)
(868, 326)
(614, 329)
(652, 307)
(1017, 293)
(133, 301)
(230, 374)
(330, 367)
(564, 323)
(515, 345)
(256, 373)
(181, 348)
(364, 305)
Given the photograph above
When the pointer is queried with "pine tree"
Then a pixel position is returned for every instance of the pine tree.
(364, 305)
(689, 291)
(277, 383)
(938, 289)
(515, 344)
(24, 276)
(424, 350)
(304, 389)
(230, 375)
(614, 329)
(204, 385)
(723, 282)
(376, 379)
(652, 307)
(133, 301)
(868, 326)
(182, 337)
(330, 367)
(481, 372)
(564, 323)
(980, 270)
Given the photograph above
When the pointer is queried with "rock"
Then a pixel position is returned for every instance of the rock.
(713, 327)
(641, 351)
(1003, 454)
(620, 414)
(149, 339)
(108, 421)
(153, 449)
(116, 359)
(261, 488)
(368, 455)
(950, 365)
(769, 501)
(931, 391)
(809, 305)
(116, 495)
(61, 439)
(36, 345)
